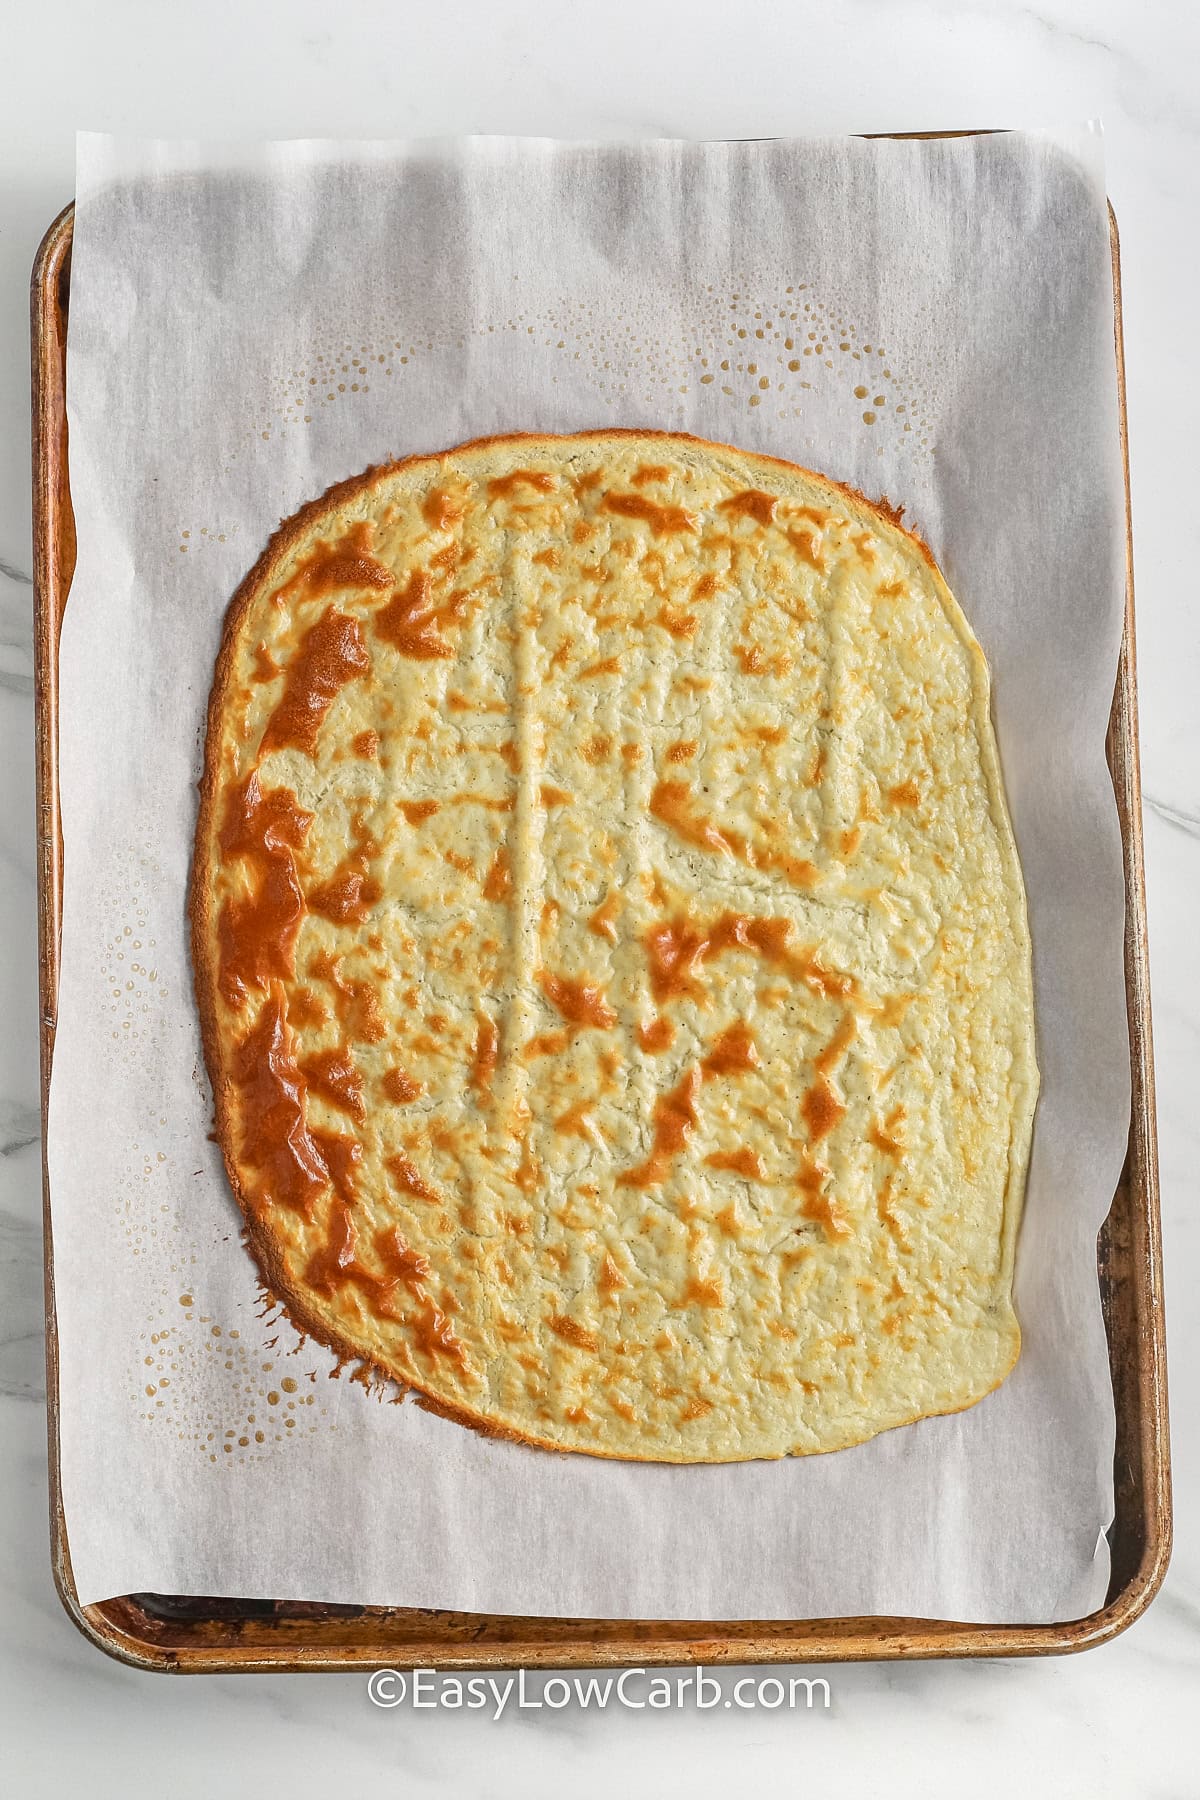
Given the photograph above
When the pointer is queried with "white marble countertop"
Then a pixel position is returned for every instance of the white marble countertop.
(1115, 1721)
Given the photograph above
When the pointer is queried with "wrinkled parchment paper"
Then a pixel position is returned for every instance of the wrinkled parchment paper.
(929, 321)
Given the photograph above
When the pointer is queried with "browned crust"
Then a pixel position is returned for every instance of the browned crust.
(282, 542)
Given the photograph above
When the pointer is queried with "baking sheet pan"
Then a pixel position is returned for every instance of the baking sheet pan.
(176, 1633)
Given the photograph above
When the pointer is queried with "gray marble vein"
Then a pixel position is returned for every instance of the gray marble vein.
(1188, 822)
(20, 1126)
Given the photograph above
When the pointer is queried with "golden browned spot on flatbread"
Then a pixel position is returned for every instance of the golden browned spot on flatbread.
(498, 881)
(334, 1074)
(662, 520)
(331, 653)
(485, 1053)
(905, 793)
(504, 487)
(572, 1332)
(604, 920)
(656, 1035)
(678, 624)
(745, 1162)
(579, 1002)
(752, 504)
(400, 1086)
(412, 623)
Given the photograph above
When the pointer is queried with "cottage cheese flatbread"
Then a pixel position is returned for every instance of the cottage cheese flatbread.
(611, 949)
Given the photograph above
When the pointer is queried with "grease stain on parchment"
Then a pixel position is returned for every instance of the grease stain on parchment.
(757, 346)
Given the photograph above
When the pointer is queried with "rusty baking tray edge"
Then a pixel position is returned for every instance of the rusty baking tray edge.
(180, 1635)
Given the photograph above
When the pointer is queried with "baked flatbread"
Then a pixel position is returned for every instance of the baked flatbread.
(611, 949)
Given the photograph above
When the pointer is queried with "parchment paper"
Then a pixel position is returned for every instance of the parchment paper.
(933, 322)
